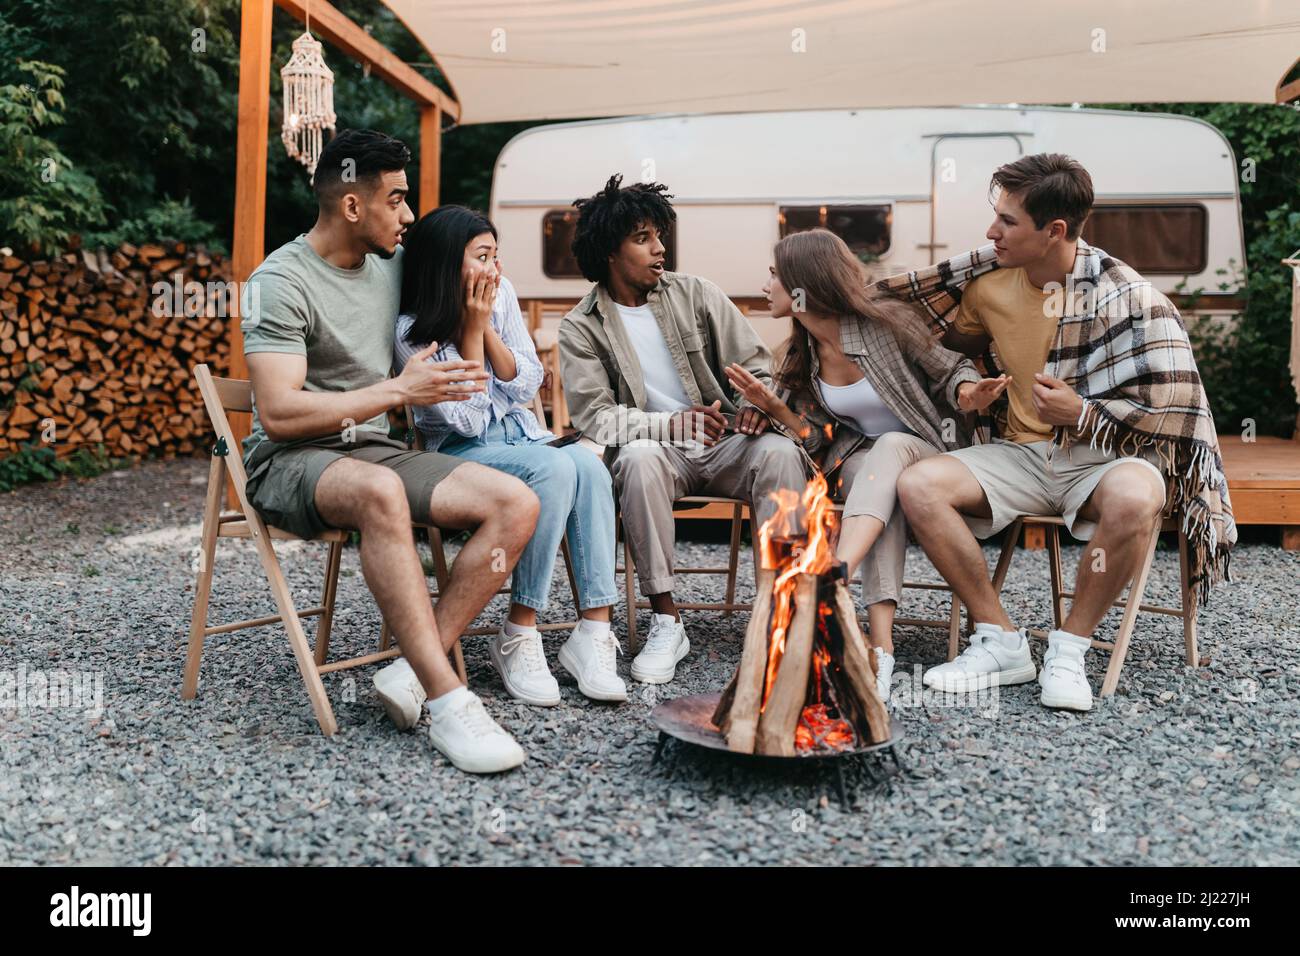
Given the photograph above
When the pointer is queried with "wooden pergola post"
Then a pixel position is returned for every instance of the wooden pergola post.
(250, 168)
(331, 26)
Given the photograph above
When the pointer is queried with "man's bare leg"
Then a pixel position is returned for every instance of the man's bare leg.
(503, 510)
(1125, 504)
(371, 499)
(935, 493)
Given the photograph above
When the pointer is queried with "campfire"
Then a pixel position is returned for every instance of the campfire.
(806, 683)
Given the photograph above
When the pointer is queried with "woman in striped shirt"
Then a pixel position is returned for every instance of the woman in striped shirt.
(453, 294)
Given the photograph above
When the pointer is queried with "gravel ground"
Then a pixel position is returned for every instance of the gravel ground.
(1182, 766)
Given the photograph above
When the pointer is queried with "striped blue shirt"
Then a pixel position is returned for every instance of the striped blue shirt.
(471, 418)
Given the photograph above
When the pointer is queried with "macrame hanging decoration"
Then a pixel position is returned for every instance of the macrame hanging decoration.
(308, 102)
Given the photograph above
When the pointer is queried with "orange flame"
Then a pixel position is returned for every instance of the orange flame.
(813, 556)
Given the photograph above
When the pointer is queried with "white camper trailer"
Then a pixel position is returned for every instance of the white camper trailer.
(904, 187)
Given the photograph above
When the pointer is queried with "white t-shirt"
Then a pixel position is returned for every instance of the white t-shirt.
(862, 405)
(664, 391)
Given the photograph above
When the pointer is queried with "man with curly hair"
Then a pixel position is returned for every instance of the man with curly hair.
(642, 357)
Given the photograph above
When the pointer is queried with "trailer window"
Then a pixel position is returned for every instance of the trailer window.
(865, 229)
(557, 245)
(1168, 238)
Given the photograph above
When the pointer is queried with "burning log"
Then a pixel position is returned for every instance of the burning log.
(785, 701)
(857, 664)
(806, 680)
(737, 712)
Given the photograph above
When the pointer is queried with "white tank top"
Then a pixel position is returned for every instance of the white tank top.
(861, 404)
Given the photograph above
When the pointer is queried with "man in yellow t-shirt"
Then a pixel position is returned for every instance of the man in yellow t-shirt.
(951, 499)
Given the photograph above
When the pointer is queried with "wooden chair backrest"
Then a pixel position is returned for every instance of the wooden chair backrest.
(219, 396)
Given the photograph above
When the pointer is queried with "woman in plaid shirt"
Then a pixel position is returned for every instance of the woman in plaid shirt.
(868, 392)
(453, 293)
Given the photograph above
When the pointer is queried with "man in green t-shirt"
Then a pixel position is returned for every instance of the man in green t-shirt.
(319, 317)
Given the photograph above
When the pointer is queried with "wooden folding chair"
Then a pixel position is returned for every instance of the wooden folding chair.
(442, 574)
(221, 395)
(1131, 605)
(739, 514)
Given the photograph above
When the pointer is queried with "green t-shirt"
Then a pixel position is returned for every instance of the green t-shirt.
(341, 319)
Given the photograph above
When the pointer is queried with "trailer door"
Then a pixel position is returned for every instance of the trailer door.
(961, 165)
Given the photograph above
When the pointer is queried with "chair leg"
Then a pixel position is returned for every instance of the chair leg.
(458, 658)
(567, 553)
(1189, 600)
(733, 565)
(1054, 566)
(1009, 541)
(629, 588)
(439, 554)
(559, 407)
(1135, 592)
(332, 561)
(385, 636)
(320, 703)
(203, 584)
(954, 627)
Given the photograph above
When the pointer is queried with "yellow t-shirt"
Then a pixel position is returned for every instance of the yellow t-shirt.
(1021, 319)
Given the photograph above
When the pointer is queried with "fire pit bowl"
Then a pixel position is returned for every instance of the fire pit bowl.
(689, 720)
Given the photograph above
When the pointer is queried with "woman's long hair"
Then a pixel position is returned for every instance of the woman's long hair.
(432, 287)
(833, 282)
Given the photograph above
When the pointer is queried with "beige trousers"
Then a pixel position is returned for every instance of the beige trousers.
(649, 476)
(868, 485)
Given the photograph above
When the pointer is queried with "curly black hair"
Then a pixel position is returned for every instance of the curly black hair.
(610, 216)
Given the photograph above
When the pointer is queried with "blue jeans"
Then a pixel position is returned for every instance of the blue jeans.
(577, 496)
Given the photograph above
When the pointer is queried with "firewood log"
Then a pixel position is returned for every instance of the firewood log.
(739, 721)
(789, 691)
(857, 664)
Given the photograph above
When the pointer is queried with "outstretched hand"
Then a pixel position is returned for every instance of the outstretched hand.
(977, 396)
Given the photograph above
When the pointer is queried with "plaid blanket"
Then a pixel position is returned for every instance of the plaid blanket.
(1122, 346)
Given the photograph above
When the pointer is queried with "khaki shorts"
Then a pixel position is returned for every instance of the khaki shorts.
(282, 477)
(1017, 480)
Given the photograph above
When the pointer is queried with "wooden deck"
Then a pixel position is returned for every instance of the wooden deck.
(1264, 482)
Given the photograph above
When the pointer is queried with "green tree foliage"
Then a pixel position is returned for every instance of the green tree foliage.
(1246, 375)
(151, 98)
(44, 198)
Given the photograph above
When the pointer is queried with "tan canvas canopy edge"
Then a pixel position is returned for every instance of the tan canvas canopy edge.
(552, 59)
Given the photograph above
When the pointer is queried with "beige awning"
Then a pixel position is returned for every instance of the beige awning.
(553, 59)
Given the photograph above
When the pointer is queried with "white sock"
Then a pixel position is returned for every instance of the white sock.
(1065, 637)
(665, 619)
(594, 628)
(514, 630)
(437, 705)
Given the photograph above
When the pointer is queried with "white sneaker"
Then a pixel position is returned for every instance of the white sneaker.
(987, 662)
(470, 739)
(591, 656)
(664, 647)
(1063, 680)
(884, 672)
(401, 693)
(522, 664)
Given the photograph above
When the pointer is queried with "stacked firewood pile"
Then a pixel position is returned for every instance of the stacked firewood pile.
(97, 348)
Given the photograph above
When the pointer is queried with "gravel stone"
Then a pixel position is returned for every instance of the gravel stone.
(1182, 766)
